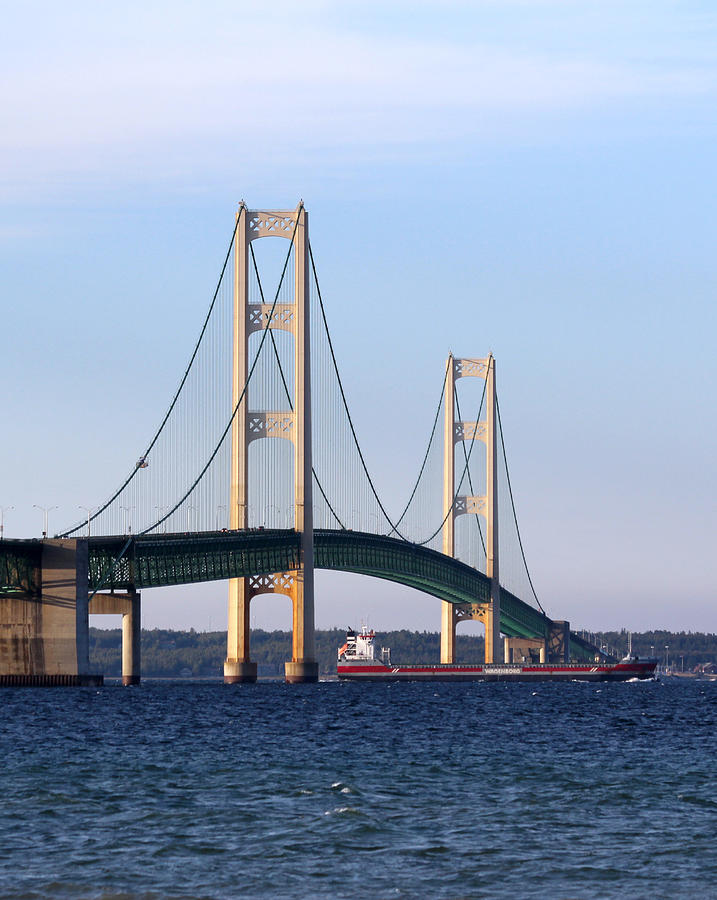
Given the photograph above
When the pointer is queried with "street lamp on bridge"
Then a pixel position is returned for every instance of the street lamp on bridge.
(267, 514)
(46, 510)
(160, 515)
(190, 510)
(127, 521)
(221, 506)
(88, 510)
(3, 510)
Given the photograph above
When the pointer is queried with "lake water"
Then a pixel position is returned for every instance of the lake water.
(176, 790)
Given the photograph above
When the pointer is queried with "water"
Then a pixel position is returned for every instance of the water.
(176, 790)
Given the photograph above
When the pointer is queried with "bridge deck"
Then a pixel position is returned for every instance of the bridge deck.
(167, 559)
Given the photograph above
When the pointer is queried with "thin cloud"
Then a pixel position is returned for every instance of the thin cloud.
(258, 84)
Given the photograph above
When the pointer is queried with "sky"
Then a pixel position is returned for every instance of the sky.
(529, 178)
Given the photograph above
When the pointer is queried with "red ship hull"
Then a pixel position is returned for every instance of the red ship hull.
(373, 670)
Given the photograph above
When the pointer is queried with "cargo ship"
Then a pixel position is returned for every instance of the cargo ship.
(357, 661)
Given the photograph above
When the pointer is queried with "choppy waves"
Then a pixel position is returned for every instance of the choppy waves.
(344, 790)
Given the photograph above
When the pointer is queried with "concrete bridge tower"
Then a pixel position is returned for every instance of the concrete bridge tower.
(487, 506)
(294, 425)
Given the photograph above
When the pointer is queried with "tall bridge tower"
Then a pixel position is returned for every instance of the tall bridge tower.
(487, 506)
(294, 425)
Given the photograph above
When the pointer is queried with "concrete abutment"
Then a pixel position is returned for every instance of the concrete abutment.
(44, 636)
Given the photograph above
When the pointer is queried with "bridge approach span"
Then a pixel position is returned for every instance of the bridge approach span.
(188, 558)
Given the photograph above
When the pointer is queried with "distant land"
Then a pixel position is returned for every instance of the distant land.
(168, 653)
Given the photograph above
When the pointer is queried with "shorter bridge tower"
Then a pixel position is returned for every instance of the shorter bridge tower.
(487, 506)
(294, 425)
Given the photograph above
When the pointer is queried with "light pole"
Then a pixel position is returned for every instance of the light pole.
(160, 512)
(190, 509)
(46, 510)
(128, 523)
(88, 510)
(667, 657)
(3, 509)
(221, 506)
(267, 514)
(242, 521)
(682, 662)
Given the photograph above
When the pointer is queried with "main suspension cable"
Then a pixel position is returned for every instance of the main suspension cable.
(265, 330)
(428, 447)
(143, 457)
(463, 474)
(394, 527)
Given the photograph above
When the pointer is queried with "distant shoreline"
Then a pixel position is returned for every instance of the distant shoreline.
(200, 654)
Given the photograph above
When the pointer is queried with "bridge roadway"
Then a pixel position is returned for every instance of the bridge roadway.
(160, 560)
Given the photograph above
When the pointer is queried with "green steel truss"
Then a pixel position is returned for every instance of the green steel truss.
(161, 560)
(20, 563)
(167, 559)
(582, 649)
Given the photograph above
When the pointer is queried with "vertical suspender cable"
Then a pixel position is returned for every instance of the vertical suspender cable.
(512, 503)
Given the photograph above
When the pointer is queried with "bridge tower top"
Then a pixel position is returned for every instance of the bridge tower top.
(271, 222)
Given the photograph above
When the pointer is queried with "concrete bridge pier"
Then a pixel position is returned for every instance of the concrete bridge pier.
(301, 671)
(238, 667)
(554, 648)
(127, 605)
(131, 639)
(559, 641)
(517, 649)
(449, 619)
(303, 667)
(239, 671)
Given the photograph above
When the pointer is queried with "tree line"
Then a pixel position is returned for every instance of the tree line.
(167, 653)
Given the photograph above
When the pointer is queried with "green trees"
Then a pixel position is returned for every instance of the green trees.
(175, 654)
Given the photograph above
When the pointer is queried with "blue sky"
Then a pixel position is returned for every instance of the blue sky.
(531, 178)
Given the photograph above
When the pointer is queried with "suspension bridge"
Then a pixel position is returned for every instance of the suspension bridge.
(256, 475)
